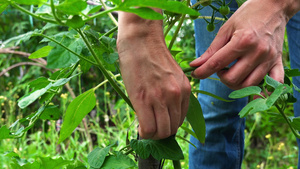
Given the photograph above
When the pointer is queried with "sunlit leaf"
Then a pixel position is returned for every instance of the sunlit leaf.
(30, 2)
(254, 106)
(48, 162)
(72, 7)
(43, 52)
(4, 132)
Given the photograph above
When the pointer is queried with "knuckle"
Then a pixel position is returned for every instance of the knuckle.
(164, 134)
(147, 132)
(248, 38)
(214, 65)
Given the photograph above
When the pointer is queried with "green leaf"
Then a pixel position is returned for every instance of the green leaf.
(59, 57)
(189, 131)
(11, 154)
(240, 2)
(279, 90)
(292, 72)
(31, 97)
(91, 9)
(19, 39)
(97, 156)
(295, 122)
(4, 132)
(48, 162)
(39, 83)
(110, 58)
(247, 91)
(76, 111)
(51, 113)
(271, 82)
(72, 7)
(144, 12)
(30, 2)
(160, 149)
(119, 161)
(195, 118)
(43, 52)
(172, 6)
(254, 106)
(3, 6)
(75, 22)
(212, 95)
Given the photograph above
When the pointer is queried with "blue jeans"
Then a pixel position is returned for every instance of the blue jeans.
(224, 145)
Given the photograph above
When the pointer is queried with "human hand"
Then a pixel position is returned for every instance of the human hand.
(253, 37)
(156, 85)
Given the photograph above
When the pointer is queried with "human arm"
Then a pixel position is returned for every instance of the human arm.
(253, 36)
(156, 85)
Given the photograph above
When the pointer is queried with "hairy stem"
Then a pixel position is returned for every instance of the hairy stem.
(103, 70)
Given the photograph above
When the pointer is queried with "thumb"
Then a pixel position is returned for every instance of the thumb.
(277, 72)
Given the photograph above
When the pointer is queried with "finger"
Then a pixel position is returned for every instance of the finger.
(237, 73)
(218, 61)
(222, 38)
(255, 77)
(162, 118)
(147, 121)
(277, 72)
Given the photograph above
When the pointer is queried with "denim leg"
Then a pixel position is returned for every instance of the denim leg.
(293, 31)
(224, 144)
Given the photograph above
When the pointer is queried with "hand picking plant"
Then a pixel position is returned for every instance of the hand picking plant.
(81, 47)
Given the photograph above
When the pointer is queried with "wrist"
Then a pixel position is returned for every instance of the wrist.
(133, 26)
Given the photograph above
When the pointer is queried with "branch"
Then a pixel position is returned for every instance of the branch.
(22, 64)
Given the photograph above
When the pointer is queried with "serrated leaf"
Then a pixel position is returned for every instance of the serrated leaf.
(119, 161)
(97, 156)
(195, 118)
(160, 149)
(75, 22)
(110, 58)
(212, 95)
(48, 162)
(43, 52)
(254, 106)
(59, 57)
(247, 91)
(51, 113)
(4, 132)
(72, 7)
(76, 111)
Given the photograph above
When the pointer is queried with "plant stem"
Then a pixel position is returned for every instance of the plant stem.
(100, 13)
(109, 14)
(55, 41)
(103, 70)
(32, 14)
(176, 32)
(110, 31)
(189, 69)
(54, 12)
(176, 164)
(287, 120)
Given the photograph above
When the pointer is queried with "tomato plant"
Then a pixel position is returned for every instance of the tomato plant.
(80, 48)
(224, 10)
